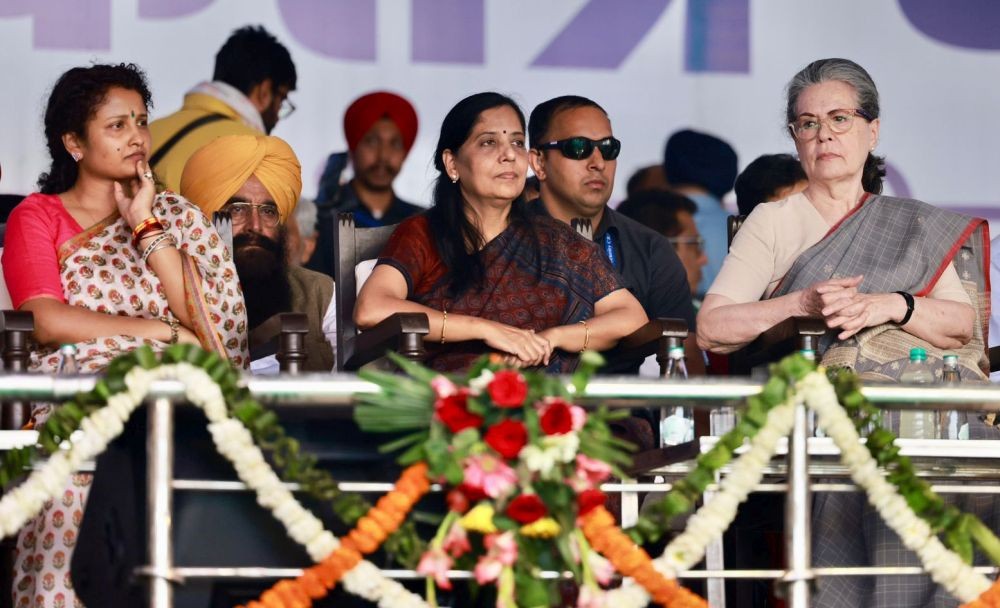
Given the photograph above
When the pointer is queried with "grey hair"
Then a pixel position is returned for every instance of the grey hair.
(826, 70)
(842, 70)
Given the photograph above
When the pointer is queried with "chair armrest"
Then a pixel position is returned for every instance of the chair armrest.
(656, 458)
(402, 332)
(15, 329)
(994, 353)
(283, 335)
(783, 339)
(651, 339)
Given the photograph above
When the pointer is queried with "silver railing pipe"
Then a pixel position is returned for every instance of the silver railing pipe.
(621, 392)
(159, 478)
(798, 541)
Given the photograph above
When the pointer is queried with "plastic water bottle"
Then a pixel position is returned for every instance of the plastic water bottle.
(67, 361)
(678, 426)
(949, 421)
(721, 420)
(915, 424)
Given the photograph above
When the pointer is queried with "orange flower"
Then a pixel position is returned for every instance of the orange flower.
(989, 598)
(383, 519)
(630, 560)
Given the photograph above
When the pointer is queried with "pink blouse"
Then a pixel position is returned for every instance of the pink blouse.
(35, 230)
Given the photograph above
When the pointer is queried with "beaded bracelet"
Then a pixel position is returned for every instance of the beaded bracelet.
(175, 328)
(160, 242)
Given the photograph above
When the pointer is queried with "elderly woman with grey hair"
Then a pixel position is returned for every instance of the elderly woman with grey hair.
(886, 275)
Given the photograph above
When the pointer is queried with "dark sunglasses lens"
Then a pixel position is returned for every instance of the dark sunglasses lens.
(577, 148)
(609, 148)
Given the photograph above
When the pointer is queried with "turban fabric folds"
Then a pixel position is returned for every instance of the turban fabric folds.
(219, 169)
(698, 158)
(368, 109)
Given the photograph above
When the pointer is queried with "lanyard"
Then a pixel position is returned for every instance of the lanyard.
(609, 249)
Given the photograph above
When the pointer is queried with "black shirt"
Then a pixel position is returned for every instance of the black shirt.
(649, 267)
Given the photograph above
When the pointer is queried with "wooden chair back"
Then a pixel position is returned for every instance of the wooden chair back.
(403, 332)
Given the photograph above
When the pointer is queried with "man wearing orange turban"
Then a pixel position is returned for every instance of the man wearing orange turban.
(257, 179)
(380, 129)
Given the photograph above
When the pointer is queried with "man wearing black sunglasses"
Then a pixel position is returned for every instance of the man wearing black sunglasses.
(574, 154)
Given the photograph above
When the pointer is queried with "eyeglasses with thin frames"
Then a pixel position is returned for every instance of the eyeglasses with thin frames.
(241, 213)
(806, 127)
(697, 241)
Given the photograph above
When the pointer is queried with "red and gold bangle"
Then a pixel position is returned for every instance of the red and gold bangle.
(144, 228)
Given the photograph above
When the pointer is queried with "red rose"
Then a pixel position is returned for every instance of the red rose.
(508, 389)
(588, 500)
(472, 493)
(557, 419)
(507, 438)
(526, 508)
(457, 501)
(451, 410)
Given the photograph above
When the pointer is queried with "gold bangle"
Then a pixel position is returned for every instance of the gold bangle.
(175, 328)
(586, 336)
(444, 323)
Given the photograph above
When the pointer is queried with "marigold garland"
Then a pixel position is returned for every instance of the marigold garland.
(369, 533)
(989, 598)
(631, 560)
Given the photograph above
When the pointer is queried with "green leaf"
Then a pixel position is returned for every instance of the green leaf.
(402, 442)
(531, 591)
(716, 458)
(414, 370)
(960, 542)
(465, 439)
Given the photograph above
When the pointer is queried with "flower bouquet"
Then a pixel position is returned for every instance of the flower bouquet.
(522, 463)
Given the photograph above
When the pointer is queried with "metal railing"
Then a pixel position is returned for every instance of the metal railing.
(323, 392)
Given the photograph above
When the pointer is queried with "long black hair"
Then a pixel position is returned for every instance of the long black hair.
(73, 102)
(458, 240)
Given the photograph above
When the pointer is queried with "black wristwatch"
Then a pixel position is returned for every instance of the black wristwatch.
(909, 307)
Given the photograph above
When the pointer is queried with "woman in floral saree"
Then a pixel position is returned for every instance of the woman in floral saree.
(105, 264)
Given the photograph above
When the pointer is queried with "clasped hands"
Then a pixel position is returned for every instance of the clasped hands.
(522, 347)
(839, 303)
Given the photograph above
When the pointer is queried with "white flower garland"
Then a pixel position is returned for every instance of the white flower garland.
(232, 440)
(945, 567)
(235, 442)
(714, 517)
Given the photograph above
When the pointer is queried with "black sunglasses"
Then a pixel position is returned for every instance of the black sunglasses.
(579, 148)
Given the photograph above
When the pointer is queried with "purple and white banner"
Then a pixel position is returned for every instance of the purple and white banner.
(655, 65)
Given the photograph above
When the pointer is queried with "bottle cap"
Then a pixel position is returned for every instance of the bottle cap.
(673, 350)
(951, 357)
(918, 354)
(67, 348)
